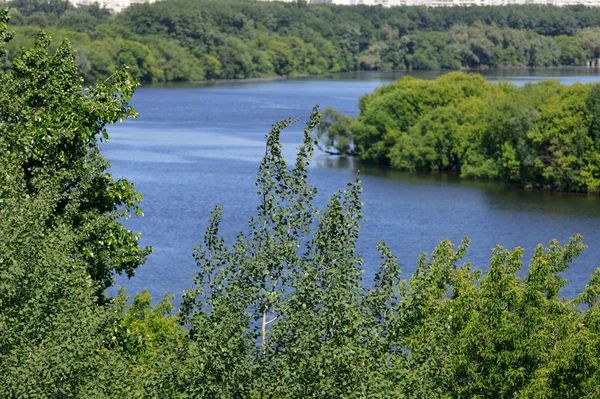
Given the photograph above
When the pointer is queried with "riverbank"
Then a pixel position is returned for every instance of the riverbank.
(517, 76)
(205, 41)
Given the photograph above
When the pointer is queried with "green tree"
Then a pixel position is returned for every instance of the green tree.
(283, 311)
(333, 131)
(51, 130)
(60, 235)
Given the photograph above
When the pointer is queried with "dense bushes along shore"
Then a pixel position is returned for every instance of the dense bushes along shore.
(184, 40)
(282, 312)
(544, 135)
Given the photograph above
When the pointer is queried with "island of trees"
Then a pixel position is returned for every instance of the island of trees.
(543, 136)
(182, 40)
(279, 312)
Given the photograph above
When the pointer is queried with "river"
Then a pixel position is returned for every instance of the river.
(197, 146)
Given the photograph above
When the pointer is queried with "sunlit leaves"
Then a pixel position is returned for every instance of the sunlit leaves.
(539, 136)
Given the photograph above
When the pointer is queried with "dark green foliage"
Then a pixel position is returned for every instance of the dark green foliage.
(542, 135)
(60, 239)
(182, 40)
(333, 131)
(283, 312)
(50, 133)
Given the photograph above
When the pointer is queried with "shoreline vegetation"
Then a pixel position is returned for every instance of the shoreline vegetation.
(203, 40)
(543, 136)
(342, 75)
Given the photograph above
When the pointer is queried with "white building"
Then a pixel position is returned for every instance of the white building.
(384, 3)
(113, 5)
(467, 3)
(438, 3)
(453, 3)
(335, 2)
(589, 3)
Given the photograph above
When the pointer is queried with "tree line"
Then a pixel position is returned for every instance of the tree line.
(282, 311)
(182, 40)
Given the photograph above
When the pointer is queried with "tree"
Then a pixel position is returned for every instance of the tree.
(51, 131)
(60, 235)
(334, 132)
(283, 312)
(282, 308)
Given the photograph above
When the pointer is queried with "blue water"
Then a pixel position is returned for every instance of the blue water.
(197, 146)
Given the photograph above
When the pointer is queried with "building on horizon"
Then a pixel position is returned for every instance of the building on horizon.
(113, 5)
(333, 2)
(446, 3)
(384, 3)
(119, 5)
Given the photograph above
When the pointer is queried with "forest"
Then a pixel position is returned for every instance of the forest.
(542, 136)
(281, 310)
(183, 40)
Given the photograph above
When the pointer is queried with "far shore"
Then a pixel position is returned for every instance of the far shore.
(340, 75)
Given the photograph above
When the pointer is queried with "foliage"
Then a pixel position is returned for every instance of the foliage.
(333, 131)
(283, 312)
(52, 330)
(61, 239)
(51, 131)
(541, 135)
(182, 40)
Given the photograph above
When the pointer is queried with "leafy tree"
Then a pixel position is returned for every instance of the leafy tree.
(334, 132)
(53, 333)
(51, 129)
(253, 39)
(284, 303)
(60, 236)
(282, 311)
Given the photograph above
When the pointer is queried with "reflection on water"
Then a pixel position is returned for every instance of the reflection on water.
(197, 146)
(498, 194)
(570, 74)
(567, 75)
